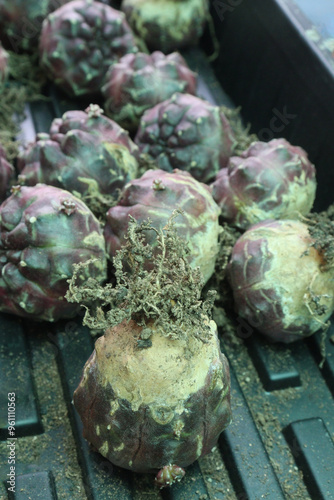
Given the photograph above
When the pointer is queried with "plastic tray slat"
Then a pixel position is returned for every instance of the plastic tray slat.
(274, 363)
(34, 486)
(313, 450)
(315, 344)
(244, 454)
(16, 377)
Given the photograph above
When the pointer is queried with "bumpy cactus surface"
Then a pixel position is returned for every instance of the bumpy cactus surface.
(44, 231)
(85, 153)
(139, 81)
(78, 43)
(273, 180)
(279, 282)
(3, 64)
(21, 22)
(7, 175)
(167, 25)
(188, 133)
(155, 393)
(155, 195)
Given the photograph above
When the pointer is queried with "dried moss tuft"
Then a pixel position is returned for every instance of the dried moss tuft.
(169, 294)
(24, 84)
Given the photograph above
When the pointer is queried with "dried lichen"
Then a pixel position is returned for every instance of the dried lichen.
(321, 228)
(169, 294)
(24, 85)
(243, 138)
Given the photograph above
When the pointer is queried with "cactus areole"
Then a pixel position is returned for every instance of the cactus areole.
(44, 231)
(155, 393)
(280, 282)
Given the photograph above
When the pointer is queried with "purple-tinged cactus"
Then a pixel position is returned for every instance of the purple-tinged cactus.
(187, 133)
(7, 175)
(78, 43)
(273, 180)
(141, 416)
(140, 81)
(167, 25)
(155, 195)
(21, 22)
(44, 231)
(3, 65)
(156, 390)
(279, 282)
(85, 153)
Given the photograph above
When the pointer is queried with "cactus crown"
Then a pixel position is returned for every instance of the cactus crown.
(168, 295)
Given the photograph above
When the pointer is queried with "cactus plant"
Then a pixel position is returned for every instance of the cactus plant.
(155, 195)
(139, 81)
(85, 153)
(44, 230)
(188, 133)
(21, 22)
(267, 292)
(167, 25)
(78, 43)
(273, 180)
(155, 393)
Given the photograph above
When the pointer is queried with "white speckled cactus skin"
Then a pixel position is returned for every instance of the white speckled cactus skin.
(273, 180)
(155, 195)
(44, 230)
(78, 43)
(278, 282)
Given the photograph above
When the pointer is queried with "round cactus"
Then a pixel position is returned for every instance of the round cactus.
(85, 153)
(155, 393)
(78, 43)
(7, 175)
(139, 81)
(167, 25)
(155, 195)
(44, 231)
(282, 305)
(3, 64)
(187, 133)
(142, 417)
(273, 180)
(21, 22)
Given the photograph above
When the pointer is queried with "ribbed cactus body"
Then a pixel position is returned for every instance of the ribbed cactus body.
(44, 231)
(139, 81)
